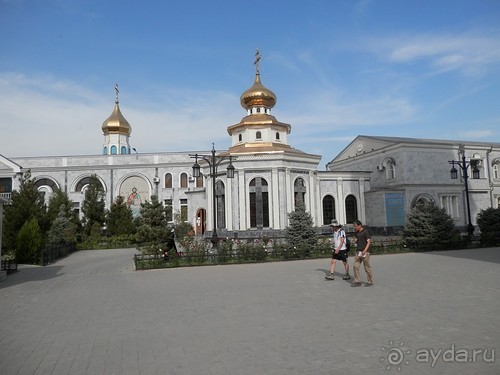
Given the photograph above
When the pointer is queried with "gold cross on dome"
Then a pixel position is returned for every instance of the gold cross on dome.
(257, 60)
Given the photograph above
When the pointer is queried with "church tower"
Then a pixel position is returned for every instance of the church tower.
(116, 130)
(259, 131)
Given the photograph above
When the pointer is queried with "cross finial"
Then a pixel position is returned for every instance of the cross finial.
(116, 92)
(257, 60)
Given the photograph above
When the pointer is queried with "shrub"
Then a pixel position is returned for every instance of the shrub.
(29, 241)
(429, 227)
(489, 223)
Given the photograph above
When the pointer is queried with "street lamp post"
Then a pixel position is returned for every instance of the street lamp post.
(213, 162)
(464, 165)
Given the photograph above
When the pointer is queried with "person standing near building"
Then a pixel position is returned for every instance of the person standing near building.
(340, 251)
(363, 242)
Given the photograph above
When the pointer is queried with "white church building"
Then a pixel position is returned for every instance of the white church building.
(374, 179)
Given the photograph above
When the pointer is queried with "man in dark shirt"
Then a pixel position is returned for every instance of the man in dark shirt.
(363, 242)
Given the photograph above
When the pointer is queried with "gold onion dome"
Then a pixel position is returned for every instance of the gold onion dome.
(258, 95)
(116, 123)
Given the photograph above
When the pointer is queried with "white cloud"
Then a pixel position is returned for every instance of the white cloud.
(43, 116)
(469, 53)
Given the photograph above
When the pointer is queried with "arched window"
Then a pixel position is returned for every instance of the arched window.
(184, 180)
(258, 135)
(390, 172)
(168, 181)
(328, 209)
(277, 136)
(299, 192)
(199, 180)
(105, 151)
(421, 199)
(351, 208)
(240, 137)
(496, 170)
(46, 182)
(220, 201)
(124, 150)
(259, 203)
(83, 183)
(113, 150)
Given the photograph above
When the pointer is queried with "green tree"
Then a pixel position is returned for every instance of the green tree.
(488, 221)
(26, 203)
(301, 233)
(58, 199)
(119, 219)
(63, 231)
(153, 230)
(93, 207)
(29, 242)
(430, 227)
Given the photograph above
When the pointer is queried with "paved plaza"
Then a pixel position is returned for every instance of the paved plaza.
(91, 313)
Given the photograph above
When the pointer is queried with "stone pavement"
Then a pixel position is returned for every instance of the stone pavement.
(91, 313)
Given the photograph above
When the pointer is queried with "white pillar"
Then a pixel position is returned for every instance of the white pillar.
(242, 196)
(275, 224)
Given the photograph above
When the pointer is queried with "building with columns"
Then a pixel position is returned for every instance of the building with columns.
(374, 179)
(270, 176)
(408, 170)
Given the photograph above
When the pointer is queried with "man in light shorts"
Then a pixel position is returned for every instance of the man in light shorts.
(339, 251)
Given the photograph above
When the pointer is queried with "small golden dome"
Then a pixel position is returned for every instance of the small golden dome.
(258, 96)
(116, 123)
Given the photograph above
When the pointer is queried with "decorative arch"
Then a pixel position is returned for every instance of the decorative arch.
(136, 189)
(46, 184)
(81, 183)
(422, 198)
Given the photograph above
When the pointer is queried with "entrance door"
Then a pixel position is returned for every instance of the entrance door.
(201, 217)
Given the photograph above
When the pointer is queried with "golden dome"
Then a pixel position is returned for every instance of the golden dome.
(258, 95)
(116, 123)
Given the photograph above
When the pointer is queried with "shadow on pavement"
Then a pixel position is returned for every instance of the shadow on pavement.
(31, 273)
(490, 254)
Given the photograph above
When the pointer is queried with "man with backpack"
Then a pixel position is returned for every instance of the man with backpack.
(340, 250)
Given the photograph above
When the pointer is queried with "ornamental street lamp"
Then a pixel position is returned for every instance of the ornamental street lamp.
(464, 165)
(213, 162)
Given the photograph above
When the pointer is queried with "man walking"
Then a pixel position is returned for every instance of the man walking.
(363, 242)
(340, 251)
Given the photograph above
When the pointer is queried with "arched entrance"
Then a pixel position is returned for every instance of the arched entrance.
(201, 217)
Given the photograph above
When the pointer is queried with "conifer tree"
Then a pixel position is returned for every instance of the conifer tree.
(489, 224)
(430, 227)
(301, 233)
(152, 229)
(119, 219)
(63, 231)
(93, 207)
(29, 242)
(26, 203)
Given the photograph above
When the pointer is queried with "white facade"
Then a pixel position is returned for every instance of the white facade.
(270, 176)
(404, 170)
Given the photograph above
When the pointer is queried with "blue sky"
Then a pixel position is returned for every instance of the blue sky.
(425, 69)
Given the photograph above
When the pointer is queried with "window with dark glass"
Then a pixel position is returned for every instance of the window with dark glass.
(351, 208)
(184, 180)
(258, 135)
(220, 201)
(259, 203)
(168, 181)
(299, 191)
(328, 209)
